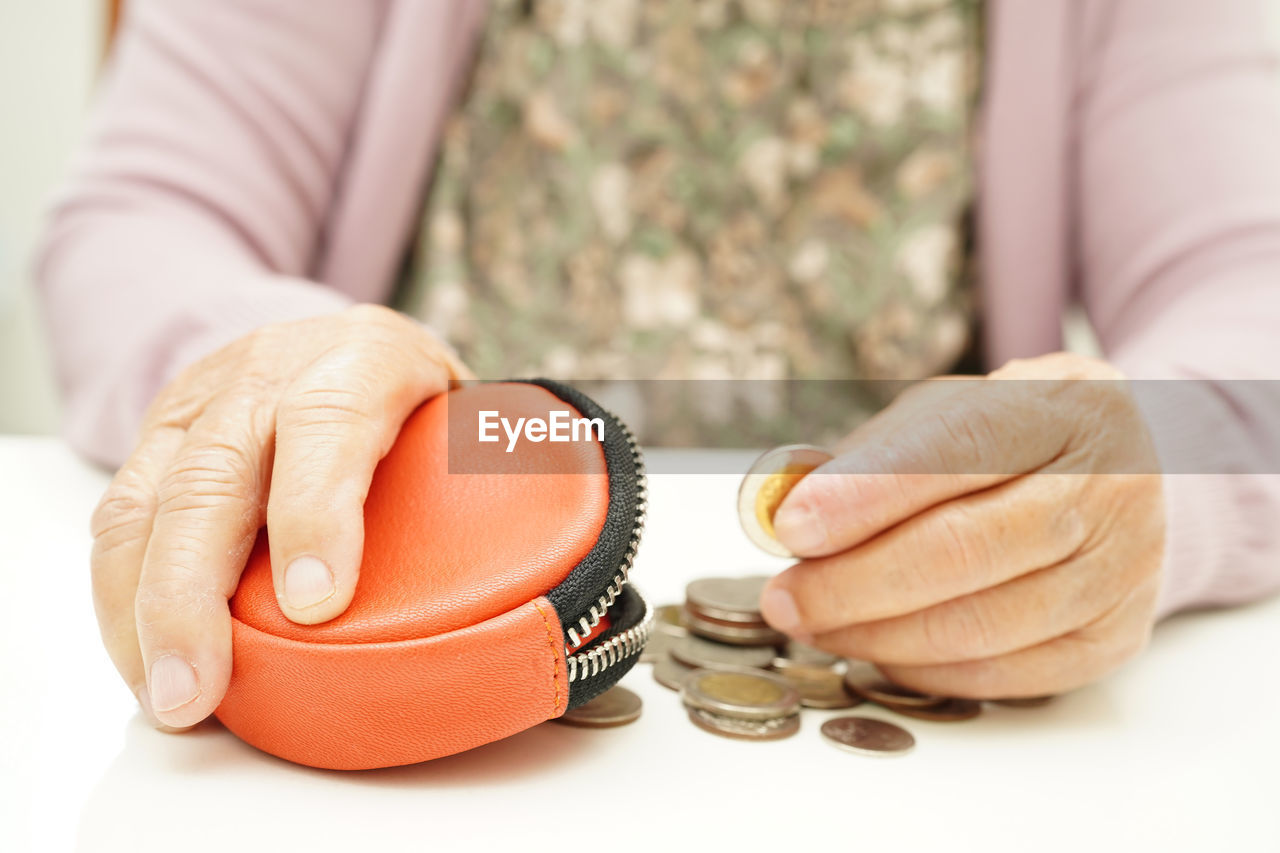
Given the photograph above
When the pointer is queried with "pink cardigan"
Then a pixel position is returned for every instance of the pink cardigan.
(255, 161)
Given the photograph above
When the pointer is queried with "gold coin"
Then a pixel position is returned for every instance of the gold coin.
(767, 483)
(617, 706)
(743, 694)
(669, 619)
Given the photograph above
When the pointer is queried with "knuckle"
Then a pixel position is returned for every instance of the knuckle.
(962, 628)
(331, 410)
(127, 504)
(178, 402)
(208, 476)
(972, 430)
(960, 541)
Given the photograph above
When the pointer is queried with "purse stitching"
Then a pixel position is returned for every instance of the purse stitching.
(551, 643)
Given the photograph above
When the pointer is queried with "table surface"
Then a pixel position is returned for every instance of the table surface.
(1178, 750)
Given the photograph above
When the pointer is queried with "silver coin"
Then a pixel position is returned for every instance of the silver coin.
(705, 654)
(726, 599)
(775, 729)
(769, 479)
(736, 634)
(670, 673)
(657, 647)
(617, 706)
(1024, 702)
(820, 687)
(746, 694)
(866, 681)
(798, 654)
(949, 711)
(669, 619)
(867, 736)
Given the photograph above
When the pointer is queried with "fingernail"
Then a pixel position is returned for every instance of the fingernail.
(144, 703)
(779, 609)
(307, 582)
(799, 528)
(173, 683)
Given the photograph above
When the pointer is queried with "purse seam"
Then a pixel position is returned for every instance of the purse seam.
(551, 643)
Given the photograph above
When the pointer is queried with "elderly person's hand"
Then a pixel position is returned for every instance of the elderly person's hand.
(983, 538)
(283, 427)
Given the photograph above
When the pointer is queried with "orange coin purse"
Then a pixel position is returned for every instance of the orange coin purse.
(493, 591)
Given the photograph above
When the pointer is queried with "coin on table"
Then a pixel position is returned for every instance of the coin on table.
(769, 479)
(948, 711)
(704, 654)
(670, 673)
(866, 681)
(775, 729)
(617, 706)
(868, 736)
(669, 619)
(798, 654)
(726, 599)
(820, 687)
(744, 694)
(1024, 702)
(734, 633)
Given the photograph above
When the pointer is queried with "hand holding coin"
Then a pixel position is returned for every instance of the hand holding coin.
(981, 538)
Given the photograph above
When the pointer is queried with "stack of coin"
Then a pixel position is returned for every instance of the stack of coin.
(864, 680)
(727, 610)
(820, 680)
(690, 639)
(742, 703)
(668, 628)
(719, 628)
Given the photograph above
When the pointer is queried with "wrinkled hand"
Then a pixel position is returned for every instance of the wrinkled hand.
(283, 427)
(982, 538)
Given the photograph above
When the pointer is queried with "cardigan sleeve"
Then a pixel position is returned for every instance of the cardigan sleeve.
(194, 210)
(1177, 223)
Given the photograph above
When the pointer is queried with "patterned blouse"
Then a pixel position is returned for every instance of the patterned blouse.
(737, 192)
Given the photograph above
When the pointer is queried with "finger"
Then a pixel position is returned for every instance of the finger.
(954, 549)
(1021, 613)
(948, 439)
(1056, 666)
(211, 504)
(333, 425)
(121, 527)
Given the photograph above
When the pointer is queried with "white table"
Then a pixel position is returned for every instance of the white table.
(1180, 750)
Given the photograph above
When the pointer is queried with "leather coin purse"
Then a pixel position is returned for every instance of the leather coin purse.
(493, 592)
